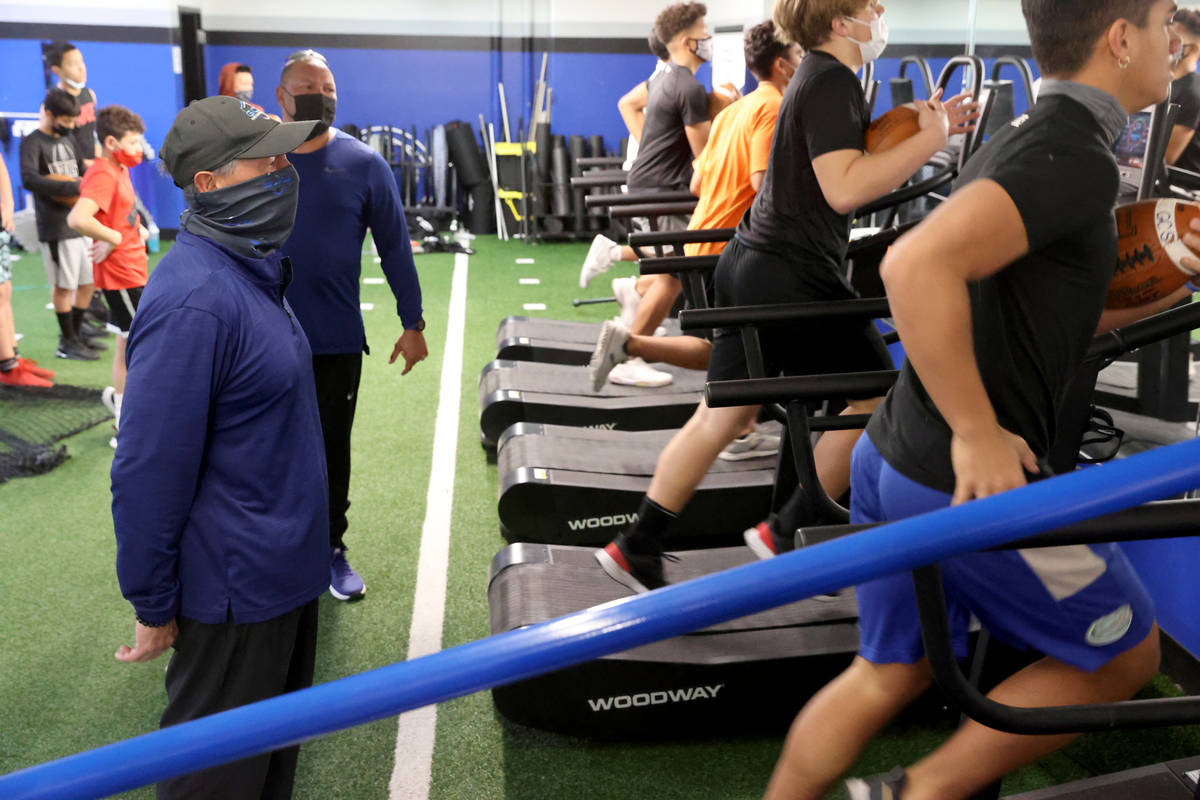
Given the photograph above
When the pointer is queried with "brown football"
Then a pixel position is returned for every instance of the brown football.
(61, 199)
(1150, 250)
(894, 127)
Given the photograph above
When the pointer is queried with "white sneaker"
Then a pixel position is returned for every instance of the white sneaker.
(636, 372)
(112, 401)
(752, 445)
(609, 352)
(625, 290)
(599, 259)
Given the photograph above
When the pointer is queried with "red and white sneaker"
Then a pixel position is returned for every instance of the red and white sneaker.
(19, 376)
(640, 572)
(32, 367)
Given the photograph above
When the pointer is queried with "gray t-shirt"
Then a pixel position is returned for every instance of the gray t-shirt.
(664, 160)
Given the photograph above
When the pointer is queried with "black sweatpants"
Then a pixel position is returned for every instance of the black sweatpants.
(337, 376)
(219, 667)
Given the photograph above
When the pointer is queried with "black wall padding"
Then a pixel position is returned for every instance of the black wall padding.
(902, 91)
(466, 154)
(561, 198)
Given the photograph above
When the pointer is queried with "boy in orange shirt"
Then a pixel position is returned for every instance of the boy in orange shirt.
(105, 213)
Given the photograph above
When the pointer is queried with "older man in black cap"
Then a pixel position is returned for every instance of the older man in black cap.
(219, 485)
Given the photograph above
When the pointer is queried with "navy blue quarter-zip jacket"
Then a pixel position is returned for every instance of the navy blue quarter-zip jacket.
(219, 483)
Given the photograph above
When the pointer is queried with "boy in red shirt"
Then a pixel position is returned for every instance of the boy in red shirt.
(105, 212)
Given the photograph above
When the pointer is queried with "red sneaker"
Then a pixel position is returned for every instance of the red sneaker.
(761, 541)
(32, 367)
(19, 376)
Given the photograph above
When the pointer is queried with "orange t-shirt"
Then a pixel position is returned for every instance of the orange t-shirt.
(738, 146)
(108, 185)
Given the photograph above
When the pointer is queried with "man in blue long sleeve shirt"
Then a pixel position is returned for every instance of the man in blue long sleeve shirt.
(347, 188)
(219, 487)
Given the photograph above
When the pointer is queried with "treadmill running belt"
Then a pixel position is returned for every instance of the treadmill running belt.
(572, 381)
(746, 675)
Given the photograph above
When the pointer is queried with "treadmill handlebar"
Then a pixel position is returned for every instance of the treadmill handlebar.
(1165, 519)
(649, 239)
(667, 265)
(631, 199)
(782, 313)
(840, 386)
(904, 194)
(658, 210)
(1162, 325)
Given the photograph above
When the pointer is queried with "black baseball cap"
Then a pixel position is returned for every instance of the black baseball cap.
(214, 131)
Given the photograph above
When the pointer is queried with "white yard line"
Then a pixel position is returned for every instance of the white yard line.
(413, 765)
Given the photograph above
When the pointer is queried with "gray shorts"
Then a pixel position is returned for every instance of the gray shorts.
(5, 258)
(68, 262)
(675, 223)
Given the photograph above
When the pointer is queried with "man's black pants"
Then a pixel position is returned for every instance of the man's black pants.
(337, 376)
(219, 667)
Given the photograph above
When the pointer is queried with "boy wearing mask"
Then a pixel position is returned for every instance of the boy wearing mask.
(66, 62)
(105, 212)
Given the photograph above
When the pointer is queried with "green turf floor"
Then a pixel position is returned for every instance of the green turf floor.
(62, 617)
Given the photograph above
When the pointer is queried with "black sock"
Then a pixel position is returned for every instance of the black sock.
(66, 325)
(8, 364)
(77, 321)
(652, 523)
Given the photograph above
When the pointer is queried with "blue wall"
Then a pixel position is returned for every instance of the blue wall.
(136, 75)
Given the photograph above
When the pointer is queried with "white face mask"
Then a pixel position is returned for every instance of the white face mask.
(879, 38)
(73, 84)
(704, 49)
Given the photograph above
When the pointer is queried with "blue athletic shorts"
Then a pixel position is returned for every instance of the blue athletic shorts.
(1082, 604)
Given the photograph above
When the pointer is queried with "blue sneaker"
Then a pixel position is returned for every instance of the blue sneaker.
(344, 582)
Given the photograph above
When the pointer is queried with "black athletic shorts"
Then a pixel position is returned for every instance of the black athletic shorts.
(122, 303)
(749, 277)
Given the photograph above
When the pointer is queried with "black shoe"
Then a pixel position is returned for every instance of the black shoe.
(640, 571)
(889, 786)
(75, 350)
(93, 341)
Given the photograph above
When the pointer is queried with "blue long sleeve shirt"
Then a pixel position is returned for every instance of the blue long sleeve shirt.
(219, 484)
(345, 188)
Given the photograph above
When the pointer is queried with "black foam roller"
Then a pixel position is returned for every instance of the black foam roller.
(543, 172)
(561, 198)
(596, 146)
(466, 154)
(481, 209)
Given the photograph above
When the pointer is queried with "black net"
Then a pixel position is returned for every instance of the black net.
(34, 421)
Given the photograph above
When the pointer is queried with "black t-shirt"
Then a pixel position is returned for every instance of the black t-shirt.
(823, 111)
(43, 155)
(85, 125)
(1033, 321)
(1186, 92)
(664, 160)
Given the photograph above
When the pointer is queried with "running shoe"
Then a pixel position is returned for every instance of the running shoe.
(20, 376)
(599, 259)
(75, 350)
(344, 582)
(109, 398)
(636, 372)
(625, 290)
(889, 786)
(640, 572)
(609, 352)
(33, 367)
(763, 541)
(753, 445)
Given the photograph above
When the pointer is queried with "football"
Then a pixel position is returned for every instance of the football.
(894, 127)
(1150, 251)
(62, 199)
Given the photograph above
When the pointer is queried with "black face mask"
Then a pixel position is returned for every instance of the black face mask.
(318, 106)
(253, 218)
(62, 130)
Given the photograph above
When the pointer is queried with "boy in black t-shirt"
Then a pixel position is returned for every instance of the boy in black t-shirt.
(790, 248)
(675, 125)
(66, 61)
(997, 296)
(1184, 149)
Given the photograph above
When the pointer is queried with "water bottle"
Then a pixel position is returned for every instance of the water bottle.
(152, 242)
